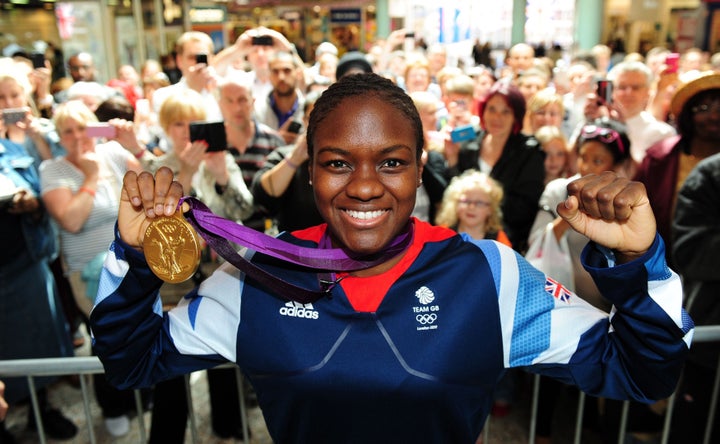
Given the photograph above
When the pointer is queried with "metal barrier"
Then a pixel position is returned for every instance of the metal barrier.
(31, 368)
(87, 365)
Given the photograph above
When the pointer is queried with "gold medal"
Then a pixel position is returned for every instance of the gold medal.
(172, 248)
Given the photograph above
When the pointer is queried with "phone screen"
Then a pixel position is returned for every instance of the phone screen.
(13, 115)
(213, 133)
(672, 61)
(262, 40)
(38, 60)
(294, 127)
(604, 91)
(101, 130)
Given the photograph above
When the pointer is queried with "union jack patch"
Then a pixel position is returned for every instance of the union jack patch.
(557, 290)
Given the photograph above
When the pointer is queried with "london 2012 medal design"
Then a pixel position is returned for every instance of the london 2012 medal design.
(172, 248)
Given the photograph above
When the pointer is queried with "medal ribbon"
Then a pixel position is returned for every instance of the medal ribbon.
(218, 232)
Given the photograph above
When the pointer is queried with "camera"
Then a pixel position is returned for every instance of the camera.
(38, 60)
(604, 91)
(462, 133)
(201, 58)
(13, 115)
(294, 127)
(101, 130)
(213, 133)
(262, 40)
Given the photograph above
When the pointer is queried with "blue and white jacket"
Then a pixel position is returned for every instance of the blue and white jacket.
(421, 366)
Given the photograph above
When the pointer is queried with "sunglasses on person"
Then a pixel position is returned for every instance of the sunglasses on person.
(604, 135)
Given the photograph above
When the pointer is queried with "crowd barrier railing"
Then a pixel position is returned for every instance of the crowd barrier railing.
(32, 368)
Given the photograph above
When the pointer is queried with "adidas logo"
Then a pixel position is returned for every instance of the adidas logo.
(298, 310)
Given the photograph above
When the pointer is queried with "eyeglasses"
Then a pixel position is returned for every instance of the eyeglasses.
(604, 135)
(474, 203)
(705, 108)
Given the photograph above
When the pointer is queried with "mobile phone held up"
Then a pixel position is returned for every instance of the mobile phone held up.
(101, 129)
(13, 115)
(294, 127)
(201, 58)
(604, 92)
(462, 134)
(672, 62)
(213, 133)
(262, 40)
(38, 60)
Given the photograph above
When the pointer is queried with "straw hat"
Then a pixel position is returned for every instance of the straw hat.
(703, 82)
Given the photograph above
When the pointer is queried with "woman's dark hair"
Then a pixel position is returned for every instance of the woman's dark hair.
(514, 99)
(115, 107)
(685, 122)
(365, 85)
(610, 133)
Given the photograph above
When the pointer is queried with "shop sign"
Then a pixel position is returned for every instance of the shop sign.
(349, 15)
(207, 15)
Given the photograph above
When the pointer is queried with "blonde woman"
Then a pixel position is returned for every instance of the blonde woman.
(471, 205)
(81, 191)
(543, 109)
(211, 174)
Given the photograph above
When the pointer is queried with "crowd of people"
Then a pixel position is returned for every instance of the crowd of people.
(351, 152)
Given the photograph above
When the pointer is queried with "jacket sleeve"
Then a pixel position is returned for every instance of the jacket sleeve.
(635, 352)
(131, 333)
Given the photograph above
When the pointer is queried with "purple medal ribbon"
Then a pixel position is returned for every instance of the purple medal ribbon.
(218, 232)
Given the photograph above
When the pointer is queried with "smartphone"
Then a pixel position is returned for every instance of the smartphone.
(38, 60)
(409, 42)
(101, 129)
(294, 127)
(262, 40)
(14, 115)
(213, 133)
(672, 62)
(462, 134)
(201, 58)
(604, 91)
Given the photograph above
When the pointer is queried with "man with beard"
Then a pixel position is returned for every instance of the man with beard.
(285, 102)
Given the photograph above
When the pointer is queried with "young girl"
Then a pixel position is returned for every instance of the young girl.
(471, 204)
(554, 144)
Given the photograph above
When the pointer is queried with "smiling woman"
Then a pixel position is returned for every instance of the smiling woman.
(360, 363)
(365, 180)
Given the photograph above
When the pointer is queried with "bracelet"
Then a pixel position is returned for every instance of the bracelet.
(90, 191)
(290, 164)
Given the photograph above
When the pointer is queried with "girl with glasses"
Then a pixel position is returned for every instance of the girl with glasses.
(471, 205)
